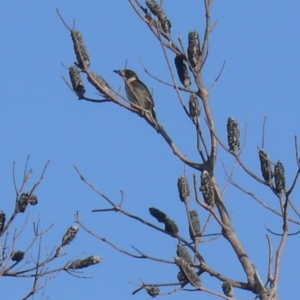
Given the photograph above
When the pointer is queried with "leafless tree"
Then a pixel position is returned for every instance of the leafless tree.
(32, 262)
(192, 264)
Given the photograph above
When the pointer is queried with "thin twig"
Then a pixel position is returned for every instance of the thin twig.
(270, 275)
(263, 133)
(276, 212)
(279, 252)
(219, 75)
(105, 240)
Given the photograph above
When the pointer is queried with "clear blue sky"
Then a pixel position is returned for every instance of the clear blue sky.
(39, 115)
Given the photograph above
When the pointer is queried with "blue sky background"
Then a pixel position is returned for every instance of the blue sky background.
(114, 149)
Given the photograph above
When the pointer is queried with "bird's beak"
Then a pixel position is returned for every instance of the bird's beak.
(118, 72)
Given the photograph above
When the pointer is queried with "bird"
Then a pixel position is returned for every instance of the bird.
(137, 93)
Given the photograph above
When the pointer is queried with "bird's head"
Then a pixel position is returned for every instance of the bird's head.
(128, 74)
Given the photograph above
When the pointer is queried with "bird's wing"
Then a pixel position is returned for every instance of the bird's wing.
(147, 94)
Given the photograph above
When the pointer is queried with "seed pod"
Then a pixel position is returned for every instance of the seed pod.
(194, 108)
(2, 220)
(188, 271)
(158, 215)
(17, 256)
(233, 135)
(22, 203)
(83, 263)
(76, 81)
(32, 200)
(83, 59)
(99, 83)
(153, 6)
(70, 235)
(28, 198)
(279, 177)
(162, 17)
(182, 278)
(182, 71)
(165, 24)
(170, 226)
(148, 16)
(152, 290)
(227, 289)
(207, 189)
(184, 254)
(183, 189)
(195, 224)
(193, 50)
(265, 167)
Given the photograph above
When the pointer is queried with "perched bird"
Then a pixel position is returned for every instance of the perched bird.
(137, 93)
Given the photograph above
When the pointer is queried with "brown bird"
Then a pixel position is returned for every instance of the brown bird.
(137, 93)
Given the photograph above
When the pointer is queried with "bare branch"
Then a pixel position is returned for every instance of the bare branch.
(105, 240)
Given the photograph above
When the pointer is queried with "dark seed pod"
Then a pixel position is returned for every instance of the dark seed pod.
(183, 189)
(188, 271)
(182, 278)
(2, 220)
(165, 25)
(32, 200)
(195, 224)
(170, 226)
(70, 235)
(233, 135)
(194, 108)
(279, 177)
(153, 6)
(148, 16)
(193, 50)
(158, 215)
(24, 200)
(152, 290)
(227, 289)
(184, 254)
(17, 256)
(76, 81)
(83, 263)
(162, 17)
(207, 189)
(83, 59)
(182, 71)
(265, 166)
(22, 203)
(99, 83)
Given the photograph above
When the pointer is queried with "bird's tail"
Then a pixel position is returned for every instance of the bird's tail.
(153, 114)
(154, 119)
